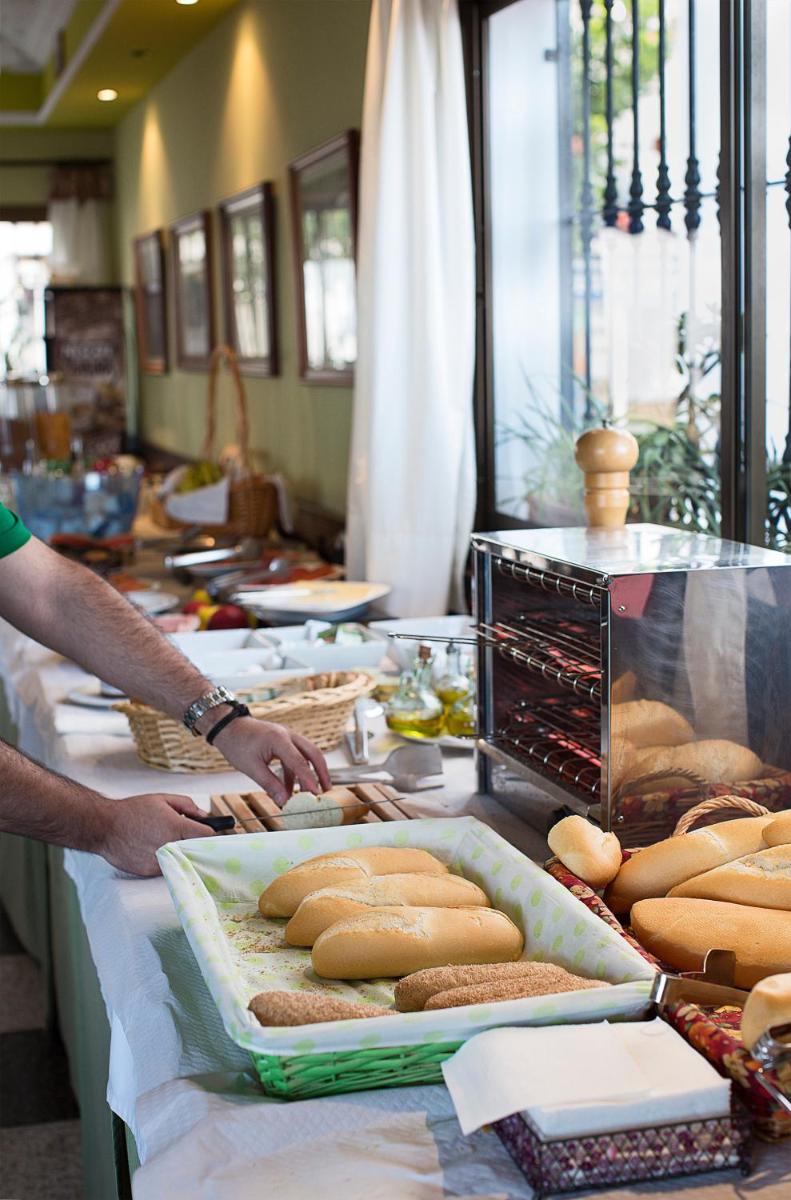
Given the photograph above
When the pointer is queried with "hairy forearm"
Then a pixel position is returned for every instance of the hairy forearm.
(66, 607)
(45, 806)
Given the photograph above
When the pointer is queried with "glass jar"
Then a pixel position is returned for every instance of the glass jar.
(415, 710)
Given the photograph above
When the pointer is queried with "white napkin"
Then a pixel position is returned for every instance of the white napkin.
(572, 1080)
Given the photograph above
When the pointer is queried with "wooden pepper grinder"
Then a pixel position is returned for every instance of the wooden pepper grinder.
(606, 456)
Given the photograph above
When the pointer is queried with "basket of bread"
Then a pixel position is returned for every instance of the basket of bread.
(726, 886)
(363, 956)
(317, 706)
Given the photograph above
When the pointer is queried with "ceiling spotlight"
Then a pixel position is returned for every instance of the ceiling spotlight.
(107, 94)
(186, 1)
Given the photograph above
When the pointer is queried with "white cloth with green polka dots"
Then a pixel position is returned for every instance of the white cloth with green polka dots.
(215, 884)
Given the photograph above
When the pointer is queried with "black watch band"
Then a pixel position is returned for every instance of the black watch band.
(237, 710)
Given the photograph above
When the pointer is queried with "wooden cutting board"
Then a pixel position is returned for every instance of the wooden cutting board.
(257, 812)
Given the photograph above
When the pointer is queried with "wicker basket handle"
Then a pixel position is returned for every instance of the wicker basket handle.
(718, 804)
(219, 354)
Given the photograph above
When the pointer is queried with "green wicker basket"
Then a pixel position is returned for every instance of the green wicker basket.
(304, 1076)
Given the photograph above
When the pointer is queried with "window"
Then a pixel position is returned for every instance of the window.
(24, 275)
(596, 130)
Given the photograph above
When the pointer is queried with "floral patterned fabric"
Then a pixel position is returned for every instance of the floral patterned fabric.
(716, 1033)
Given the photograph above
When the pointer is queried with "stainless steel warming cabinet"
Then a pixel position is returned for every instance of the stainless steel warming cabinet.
(573, 623)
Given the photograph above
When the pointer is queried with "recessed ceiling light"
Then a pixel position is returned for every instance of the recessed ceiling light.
(186, 1)
(107, 94)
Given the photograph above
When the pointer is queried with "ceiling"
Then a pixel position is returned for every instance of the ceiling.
(123, 44)
(29, 31)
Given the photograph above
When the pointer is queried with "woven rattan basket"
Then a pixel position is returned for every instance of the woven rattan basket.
(319, 711)
(252, 499)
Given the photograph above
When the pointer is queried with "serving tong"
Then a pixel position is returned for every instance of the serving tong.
(713, 986)
(405, 768)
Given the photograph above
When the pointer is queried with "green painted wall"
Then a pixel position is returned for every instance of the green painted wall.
(275, 78)
(30, 184)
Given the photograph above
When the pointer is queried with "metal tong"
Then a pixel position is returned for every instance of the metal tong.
(406, 768)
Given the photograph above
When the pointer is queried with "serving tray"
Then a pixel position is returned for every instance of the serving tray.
(215, 883)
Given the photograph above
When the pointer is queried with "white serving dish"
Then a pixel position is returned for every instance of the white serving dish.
(215, 883)
(153, 602)
(245, 647)
(328, 600)
(403, 652)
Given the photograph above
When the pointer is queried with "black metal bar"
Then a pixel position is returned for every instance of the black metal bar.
(635, 206)
(692, 177)
(787, 185)
(586, 223)
(755, 85)
(731, 225)
(663, 201)
(610, 198)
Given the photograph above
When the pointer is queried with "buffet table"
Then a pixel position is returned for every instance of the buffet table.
(139, 1023)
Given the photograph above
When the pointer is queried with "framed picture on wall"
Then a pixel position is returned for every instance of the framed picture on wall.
(247, 239)
(192, 274)
(151, 302)
(324, 225)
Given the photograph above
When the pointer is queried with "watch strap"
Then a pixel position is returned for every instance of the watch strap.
(217, 696)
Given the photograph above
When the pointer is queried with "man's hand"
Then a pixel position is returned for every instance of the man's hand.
(251, 744)
(135, 828)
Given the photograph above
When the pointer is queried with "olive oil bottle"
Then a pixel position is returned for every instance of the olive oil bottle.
(415, 710)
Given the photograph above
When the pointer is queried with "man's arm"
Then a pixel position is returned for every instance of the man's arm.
(42, 805)
(68, 608)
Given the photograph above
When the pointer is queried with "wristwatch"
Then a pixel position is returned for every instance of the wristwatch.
(213, 699)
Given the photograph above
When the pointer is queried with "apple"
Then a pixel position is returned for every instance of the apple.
(193, 606)
(228, 616)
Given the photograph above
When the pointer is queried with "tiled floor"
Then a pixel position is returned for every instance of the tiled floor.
(39, 1120)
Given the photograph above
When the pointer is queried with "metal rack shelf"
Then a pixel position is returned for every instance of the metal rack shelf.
(560, 658)
(559, 739)
(547, 581)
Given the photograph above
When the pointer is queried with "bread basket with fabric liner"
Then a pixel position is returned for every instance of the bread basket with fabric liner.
(714, 1031)
(215, 884)
(317, 706)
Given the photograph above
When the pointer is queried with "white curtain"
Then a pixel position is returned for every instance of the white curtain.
(412, 476)
(81, 232)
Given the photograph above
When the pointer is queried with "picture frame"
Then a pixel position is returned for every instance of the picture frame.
(323, 187)
(192, 259)
(248, 273)
(151, 302)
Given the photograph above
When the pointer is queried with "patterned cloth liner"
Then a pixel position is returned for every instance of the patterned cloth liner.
(716, 1033)
(215, 884)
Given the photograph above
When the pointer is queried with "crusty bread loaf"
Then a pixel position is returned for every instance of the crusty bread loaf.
(680, 931)
(619, 761)
(513, 989)
(762, 879)
(778, 831)
(658, 868)
(413, 992)
(338, 806)
(623, 688)
(650, 723)
(286, 893)
(391, 942)
(591, 855)
(768, 1004)
(321, 909)
(307, 1008)
(714, 760)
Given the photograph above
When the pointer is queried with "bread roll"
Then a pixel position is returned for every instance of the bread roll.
(388, 942)
(306, 1008)
(413, 992)
(321, 909)
(591, 855)
(623, 688)
(284, 894)
(512, 989)
(338, 806)
(680, 932)
(762, 879)
(714, 760)
(621, 756)
(658, 868)
(650, 723)
(768, 1004)
(778, 831)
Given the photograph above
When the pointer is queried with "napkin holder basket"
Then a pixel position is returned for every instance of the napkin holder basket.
(605, 1160)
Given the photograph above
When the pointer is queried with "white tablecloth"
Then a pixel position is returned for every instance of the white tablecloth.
(201, 1125)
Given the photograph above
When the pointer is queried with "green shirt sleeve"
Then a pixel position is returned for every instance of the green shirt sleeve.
(13, 533)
